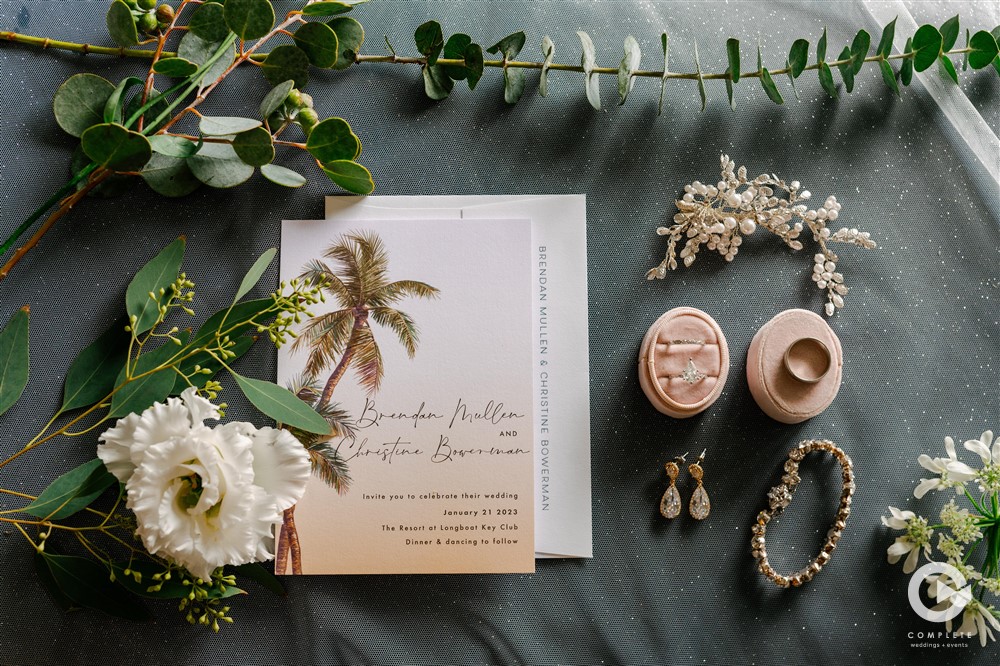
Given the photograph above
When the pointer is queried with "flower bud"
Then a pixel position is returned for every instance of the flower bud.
(164, 14)
(147, 23)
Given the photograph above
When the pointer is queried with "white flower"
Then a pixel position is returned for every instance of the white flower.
(989, 476)
(204, 497)
(977, 618)
(917, 538)
(940, 467)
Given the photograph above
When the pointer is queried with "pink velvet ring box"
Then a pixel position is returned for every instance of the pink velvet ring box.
(683, 362)
(794, 366)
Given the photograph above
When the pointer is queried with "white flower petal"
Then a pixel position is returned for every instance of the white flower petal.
(959, 471)
(978, 447)
(910, 565)
(935, 465)
(926, 485)
(280, 466)
(199, 408)
(981, 626)
(949, 446)
(115, 450)
(904, 515)
(161, 422)
(900, 547)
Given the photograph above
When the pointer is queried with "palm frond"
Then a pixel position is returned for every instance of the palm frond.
(401, 324)
(329, 467)
(395, 291)
(305, 387)
(317, 271)
(341, 423)
(373, 261)
(367, 360)
(326, 337)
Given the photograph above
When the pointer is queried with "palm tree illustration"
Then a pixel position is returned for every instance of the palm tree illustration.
(357, 278)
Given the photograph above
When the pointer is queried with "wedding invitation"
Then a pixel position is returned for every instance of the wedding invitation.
(425, 347)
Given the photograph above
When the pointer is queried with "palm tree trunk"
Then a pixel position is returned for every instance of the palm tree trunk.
(345, 360)
(285, 540)
(293, 542)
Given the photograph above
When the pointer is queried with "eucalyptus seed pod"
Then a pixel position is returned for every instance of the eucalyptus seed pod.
(147, 4)
(294, 99)
(164, 14)
(307, 101)
(147, 23)
(307, 120)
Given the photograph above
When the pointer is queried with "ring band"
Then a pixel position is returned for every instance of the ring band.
(686, 342)
(808, 360)
(691, 374)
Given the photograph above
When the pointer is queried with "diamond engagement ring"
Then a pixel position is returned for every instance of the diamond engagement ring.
(691, 374)
(687, 342)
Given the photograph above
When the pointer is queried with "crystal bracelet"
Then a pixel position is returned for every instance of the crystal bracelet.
(780, 496)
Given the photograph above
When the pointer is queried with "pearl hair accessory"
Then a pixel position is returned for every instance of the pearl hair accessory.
(719, 216)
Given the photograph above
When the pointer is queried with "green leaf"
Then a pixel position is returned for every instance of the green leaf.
(729, 91)
(453, 50)
(121, 24)
(701, 80)
(49, 583)
(239, 347)
(948, 68)
(199, 51)
(252, 277)
(626, 71)
(798, 57)
(319, 42)
(333, 140)
(665, 43)
(859, 50)
(178, 67)
(249, 19)
(350, 175)
(262, 577)
(169, 176)
(158, 105)
(159, 273)
(234, 321)
(281, 405)
(588, 61)
(209, 22)
(174, 146)
(430, 40)
(328, 8)
(350, 36)
(791, 79)
(218, 165)
(927, 46)
(888, 76)
(846, 69)
(984, 50)
(733, 54)
(826, 79)
(275, 98)
(885, 44)
(72, 492)
(280, 175)
(14, 361)
(509, 46)
(87, 583)
(79, 103)
(513, 85)
(549, 53)
(115, 185)
(287, 62)
(474, 64)
(226, 125)
(115, 147)
(996, 36)
(768, 83)
(113, 107)
(949, 33)
(437, 85)
(135, 395)
(254, 147)
(92, 375)
(821, 49)
(906, 69)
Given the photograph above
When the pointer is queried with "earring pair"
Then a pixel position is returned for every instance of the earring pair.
(670, 505)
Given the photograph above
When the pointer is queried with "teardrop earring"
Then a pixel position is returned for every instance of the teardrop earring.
(670, 505)
(700, 505)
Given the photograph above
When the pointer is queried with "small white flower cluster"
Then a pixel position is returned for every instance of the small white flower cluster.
(719, 216)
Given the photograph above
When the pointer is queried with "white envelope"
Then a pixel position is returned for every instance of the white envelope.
(563, 520)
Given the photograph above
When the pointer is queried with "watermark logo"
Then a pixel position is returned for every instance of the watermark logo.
(952, 597)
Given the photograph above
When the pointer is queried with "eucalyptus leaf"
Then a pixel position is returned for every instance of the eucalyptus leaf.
(328, 8)
(859, 50)
(948, 68)
(209, 362)
(218, 165)
(49, 583)
(826, 79)
(254, 147)
(629, 65)
(549, 53)
(319, 42)
(333, 140)
(262, 577)
(798, 57)
(701, 79)
(885, 43)
(14, 360)
(791, 80)
(113, 107)
(275, 98)
(588, 61)
(906, 69)
(733, 55)
(92, 375)
(252, 276)
(888, 76)
(209, 22)
(474, 64)
(177, 67)
(249, 19)
(199, 51)
(927, 46)
(513, 85)
(350, 36)
(155, 105)
(665, 43)
(729, 91)
(79, 102)
(115, 185)
(159, 273)
(226, 125)
(350, 175)
(281, 405)
(115, 147)
(135, 395)
(949, 33)
(169, 176)
(769, 87)
(968, 47)
(121, 24)
(984, 50)
(174, 146)
(846, 69)
(234, 321)
(509, 46)
(821, 50)
(454, 49)
(72, 492)
(280, 175)
(430, 40)
(87, 583)
(996, 36)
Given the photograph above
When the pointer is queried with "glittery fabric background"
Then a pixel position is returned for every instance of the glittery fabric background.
(920, 335)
